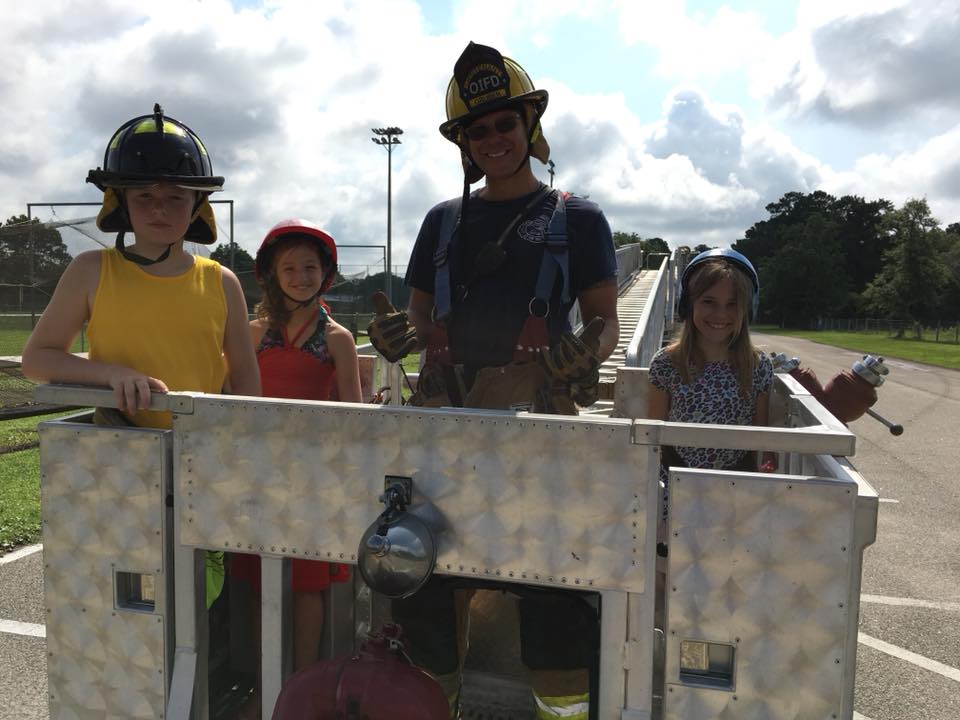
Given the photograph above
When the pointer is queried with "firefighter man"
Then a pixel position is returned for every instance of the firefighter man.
(493, 276)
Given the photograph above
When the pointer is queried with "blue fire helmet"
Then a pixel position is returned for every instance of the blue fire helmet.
(738, 260)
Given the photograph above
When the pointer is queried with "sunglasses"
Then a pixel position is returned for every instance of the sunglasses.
(501, 125)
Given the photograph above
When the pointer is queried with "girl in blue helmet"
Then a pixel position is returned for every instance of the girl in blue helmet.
(712, 373)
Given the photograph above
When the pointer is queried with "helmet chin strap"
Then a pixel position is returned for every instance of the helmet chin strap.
(140, 259)
(301, 303)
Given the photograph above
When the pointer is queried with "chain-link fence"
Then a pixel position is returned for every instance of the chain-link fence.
(942, 331)
(35, 249)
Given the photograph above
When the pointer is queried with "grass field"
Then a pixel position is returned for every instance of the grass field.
(14, 331)
(924, 351)
(20, 482)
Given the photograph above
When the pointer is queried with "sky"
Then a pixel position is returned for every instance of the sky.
(682, 120)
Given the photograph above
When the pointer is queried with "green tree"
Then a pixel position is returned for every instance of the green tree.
(859, 230)
(914, 281)
(242, 265)
(656, 245)
(31, 254)
(621, 238)
(699, 249)
(796, 285)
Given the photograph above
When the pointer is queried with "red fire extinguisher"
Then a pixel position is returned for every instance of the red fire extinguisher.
(378, 683)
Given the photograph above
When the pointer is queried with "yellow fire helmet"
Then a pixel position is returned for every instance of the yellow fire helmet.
(485, 81)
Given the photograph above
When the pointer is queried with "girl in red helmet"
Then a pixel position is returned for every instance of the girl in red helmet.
(302, 354)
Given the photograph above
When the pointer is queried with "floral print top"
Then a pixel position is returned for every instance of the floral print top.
(712, 397)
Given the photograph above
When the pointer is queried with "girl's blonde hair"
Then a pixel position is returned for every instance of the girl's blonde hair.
(684, 351)
(273, 307)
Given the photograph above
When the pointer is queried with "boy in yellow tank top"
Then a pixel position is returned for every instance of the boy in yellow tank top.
(158, 317)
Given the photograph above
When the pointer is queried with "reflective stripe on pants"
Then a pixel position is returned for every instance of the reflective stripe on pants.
(569, 707)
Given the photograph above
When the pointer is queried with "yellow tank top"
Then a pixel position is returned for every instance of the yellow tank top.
(170, 328)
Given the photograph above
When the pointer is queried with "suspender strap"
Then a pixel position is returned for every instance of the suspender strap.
(441, 260)
(556, 256)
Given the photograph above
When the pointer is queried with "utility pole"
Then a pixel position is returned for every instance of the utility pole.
(388, 137)
(550, 167)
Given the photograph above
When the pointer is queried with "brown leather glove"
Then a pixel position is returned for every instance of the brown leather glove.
(586, 391)
(390, 331)
(574, 358)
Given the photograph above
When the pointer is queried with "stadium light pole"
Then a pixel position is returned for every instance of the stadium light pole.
(387, 138)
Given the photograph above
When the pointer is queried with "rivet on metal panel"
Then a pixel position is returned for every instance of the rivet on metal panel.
(837, 660)
(843, 549)
(731, 482)
(840, 605)
(734, 697)
(789, 487)
(673, 589)
(736, 639)
(273, 548)
(283, 549)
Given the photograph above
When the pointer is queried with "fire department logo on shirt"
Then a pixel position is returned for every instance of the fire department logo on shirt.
(533, 230)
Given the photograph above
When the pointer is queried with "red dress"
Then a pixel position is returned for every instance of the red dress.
(304, 373)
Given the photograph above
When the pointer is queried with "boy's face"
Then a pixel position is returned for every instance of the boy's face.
(299, 271)
(160, 214)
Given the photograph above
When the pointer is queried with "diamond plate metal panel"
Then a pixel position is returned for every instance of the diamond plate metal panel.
(103, 511)
(543, 500)
(762, 563)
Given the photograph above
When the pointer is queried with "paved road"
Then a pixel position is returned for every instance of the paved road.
(909, 656)
(911, 578)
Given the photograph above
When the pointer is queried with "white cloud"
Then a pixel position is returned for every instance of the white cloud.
(869, 64)
(932, 172)
(285, 98)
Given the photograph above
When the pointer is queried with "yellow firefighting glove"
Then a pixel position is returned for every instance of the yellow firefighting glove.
(574, 358)
(390, 331)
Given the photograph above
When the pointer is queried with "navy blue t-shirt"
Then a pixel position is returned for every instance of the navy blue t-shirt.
(484, 326)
